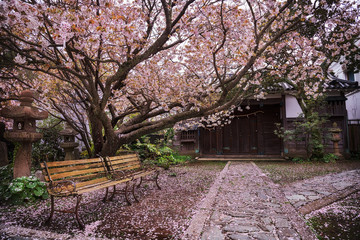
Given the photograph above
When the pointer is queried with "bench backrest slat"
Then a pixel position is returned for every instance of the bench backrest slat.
(90, 182)
(123, 168)
(79, 170)
(127, 162)
(70, 162)
(123, 161)
(73, 174)
(74, 167)
(124, 156)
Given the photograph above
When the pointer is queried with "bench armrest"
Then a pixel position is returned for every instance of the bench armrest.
(62, 188)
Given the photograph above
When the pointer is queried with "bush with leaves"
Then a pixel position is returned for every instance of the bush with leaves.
(157, 153)
(330, 158)
(25, 190)
(311, 131)
(48, 148)
(6, 174)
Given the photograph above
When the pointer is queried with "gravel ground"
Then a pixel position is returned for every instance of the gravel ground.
(161, 214)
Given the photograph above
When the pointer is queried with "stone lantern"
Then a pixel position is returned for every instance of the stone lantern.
(335, 138)
(24, 130)
(69, 143)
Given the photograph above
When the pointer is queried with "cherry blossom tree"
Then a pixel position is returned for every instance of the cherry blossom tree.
(116, 70)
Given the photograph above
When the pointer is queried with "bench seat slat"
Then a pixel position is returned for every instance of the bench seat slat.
(103, 185)
(90, 182)
(83, 188)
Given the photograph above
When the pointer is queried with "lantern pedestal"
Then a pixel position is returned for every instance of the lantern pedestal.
(69, 149)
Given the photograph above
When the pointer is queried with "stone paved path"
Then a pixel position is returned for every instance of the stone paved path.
(303, 192)
(249, 206)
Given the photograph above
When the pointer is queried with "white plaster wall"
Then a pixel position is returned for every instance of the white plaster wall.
(357, 77)
(338, 71)
(292, 107)
(353, 99)
(353, 102)
(353, 106)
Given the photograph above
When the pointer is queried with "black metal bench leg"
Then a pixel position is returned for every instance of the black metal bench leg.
(51, 210)
(141, 179)
(156, 180)
(106, 194)
(133, 192)
(113, 193)
(126, 193)
(78, 199)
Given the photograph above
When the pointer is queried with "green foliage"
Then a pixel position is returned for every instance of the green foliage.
(157, 153)
(169, 136)
(48, 148)
(85, 153)
(330, 158)
(6, 174)
(298, 159)
(310, 130)
(24, 190)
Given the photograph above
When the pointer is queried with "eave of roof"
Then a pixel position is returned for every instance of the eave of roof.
(335, 84)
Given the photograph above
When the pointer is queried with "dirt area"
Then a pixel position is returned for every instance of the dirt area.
(161, 214)
(287, 172)
(338, 221)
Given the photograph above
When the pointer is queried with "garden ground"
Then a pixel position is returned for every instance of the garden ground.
(167, 213)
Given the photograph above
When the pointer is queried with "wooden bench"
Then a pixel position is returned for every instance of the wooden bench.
(76, 177)
(129, 165)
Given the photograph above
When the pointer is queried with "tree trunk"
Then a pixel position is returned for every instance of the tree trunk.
(112, 144)
(96, 133)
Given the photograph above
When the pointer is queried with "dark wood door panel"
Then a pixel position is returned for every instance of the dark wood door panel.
(250, 133)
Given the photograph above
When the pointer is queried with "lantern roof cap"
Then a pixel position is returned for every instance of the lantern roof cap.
(68, 131)
(25, 110)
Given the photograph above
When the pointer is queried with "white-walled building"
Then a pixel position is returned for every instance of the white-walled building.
(353, 98)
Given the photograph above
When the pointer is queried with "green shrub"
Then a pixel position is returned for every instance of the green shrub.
(310, 129)
(298, 159)
(156, 153)
(330, 158)
(6, 173)
(48, 148)
(24, 190)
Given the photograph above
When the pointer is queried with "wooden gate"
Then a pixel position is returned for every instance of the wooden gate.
(354, 135)
(251, 132)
